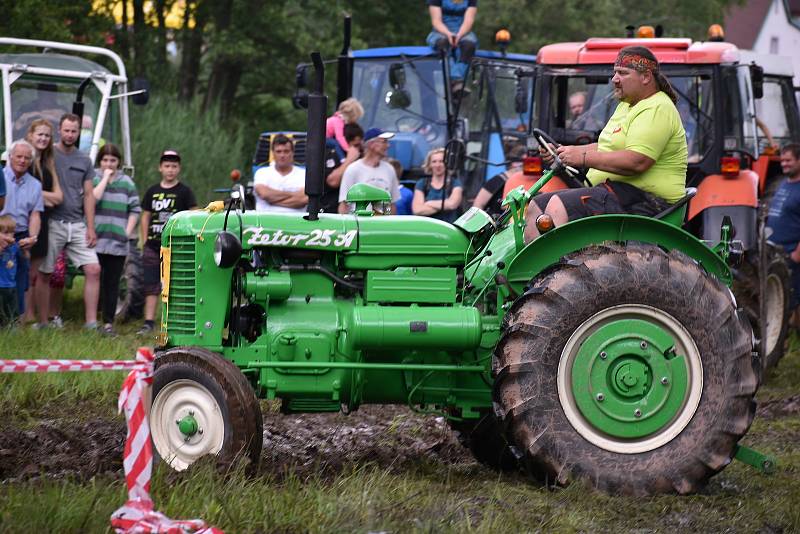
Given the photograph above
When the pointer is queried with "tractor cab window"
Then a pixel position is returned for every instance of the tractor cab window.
(492, 117)
(778, 111)
(421, 110)
(581, 102)
(34, 97)
(739, 128)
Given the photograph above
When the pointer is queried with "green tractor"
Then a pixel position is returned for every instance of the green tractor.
(610, 349)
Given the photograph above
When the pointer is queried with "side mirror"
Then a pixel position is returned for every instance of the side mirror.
(454, 152)
(300, 99)
(397, 75)
(301, 76)
(140, 84)
(757, 80)
(521, 96)
(398, 99)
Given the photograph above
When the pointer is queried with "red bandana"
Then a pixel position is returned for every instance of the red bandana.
(636, 62)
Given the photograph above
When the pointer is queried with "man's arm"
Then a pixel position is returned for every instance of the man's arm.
(88, 212)
(287, 199)
(334, 179)
(34, 225)
(622, 162)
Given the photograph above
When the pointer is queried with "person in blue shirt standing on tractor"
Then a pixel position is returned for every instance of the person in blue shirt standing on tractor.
(452, 22)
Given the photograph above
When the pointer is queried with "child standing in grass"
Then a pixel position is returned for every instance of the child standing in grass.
(161, 200)
(115, 221)
(9, 260)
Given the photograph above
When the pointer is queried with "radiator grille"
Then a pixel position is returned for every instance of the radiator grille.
(181, 307)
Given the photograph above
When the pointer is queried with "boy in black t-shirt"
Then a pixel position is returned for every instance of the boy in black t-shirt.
(159, 203)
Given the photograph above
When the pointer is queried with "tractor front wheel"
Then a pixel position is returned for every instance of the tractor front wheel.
(627, 367)
(203, 405)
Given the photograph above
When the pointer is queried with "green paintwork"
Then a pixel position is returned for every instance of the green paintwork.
(423, 285)
(364, 194)
(474, 220)
(385, 309)
(677, 217)
(188, 426)
(618, 378)
(764, 463)
(573, 236)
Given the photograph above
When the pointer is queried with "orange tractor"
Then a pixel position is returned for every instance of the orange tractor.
(737, 107)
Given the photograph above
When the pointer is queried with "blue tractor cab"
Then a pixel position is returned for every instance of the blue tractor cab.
(407, 90)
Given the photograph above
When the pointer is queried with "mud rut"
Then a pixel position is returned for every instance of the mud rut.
(388, 437)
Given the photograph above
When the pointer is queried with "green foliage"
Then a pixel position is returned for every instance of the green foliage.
(209, 148)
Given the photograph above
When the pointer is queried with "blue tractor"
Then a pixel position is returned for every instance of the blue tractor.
(407, 90)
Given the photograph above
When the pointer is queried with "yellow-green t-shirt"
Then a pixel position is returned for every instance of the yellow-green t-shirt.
(653, 128)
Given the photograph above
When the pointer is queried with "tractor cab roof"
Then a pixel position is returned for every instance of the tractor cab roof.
(604, 50)
(417, 51)
(54, 61)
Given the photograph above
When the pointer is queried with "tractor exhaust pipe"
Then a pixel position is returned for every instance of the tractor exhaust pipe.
(315, 138)
(344, 65)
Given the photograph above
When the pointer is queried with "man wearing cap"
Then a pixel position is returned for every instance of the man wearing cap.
(371, 169)
(159, 203)
(280, 187)
(71, 224)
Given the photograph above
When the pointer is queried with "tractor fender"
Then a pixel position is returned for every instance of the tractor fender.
(550, 248)
(717, 190)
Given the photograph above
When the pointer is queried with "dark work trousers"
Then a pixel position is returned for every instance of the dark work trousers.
(110, 273)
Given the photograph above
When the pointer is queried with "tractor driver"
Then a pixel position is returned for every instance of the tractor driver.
(639, 163)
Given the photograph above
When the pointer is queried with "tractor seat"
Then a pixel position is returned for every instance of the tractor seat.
(676, 213)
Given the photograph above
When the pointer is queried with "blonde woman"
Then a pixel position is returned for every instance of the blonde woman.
(40, 135)
(428, 192)
(350, 111)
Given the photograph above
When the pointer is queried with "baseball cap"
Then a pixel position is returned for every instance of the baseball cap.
(374, 133)
(170, 155)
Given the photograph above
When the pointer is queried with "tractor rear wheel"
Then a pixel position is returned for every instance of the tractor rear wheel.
(777, 303)
(627, 367)
(203, 405)
(486, 440)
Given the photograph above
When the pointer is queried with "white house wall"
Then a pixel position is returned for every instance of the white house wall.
(778, 36)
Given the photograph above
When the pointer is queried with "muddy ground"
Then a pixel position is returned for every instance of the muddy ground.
(390, 437)
(319, 444)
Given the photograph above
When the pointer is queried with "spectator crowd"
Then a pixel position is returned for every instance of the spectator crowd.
(60, 209)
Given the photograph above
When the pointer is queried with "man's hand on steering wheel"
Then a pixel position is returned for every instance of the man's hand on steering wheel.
(572, 155)
(550, 151)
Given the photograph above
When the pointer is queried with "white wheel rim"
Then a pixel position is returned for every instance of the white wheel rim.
(684, 345)
(179, 399)
(774, 306)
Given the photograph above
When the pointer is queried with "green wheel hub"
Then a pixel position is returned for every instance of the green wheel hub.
(188, 425)
(627, 379)
(630, 378)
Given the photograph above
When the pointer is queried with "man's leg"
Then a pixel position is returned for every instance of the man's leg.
(79, 253)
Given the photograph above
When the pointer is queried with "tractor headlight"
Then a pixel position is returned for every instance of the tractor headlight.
(227, 250)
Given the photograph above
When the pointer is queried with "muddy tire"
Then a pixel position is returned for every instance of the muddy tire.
(203, 405)
(130, 305)
(777, 304)
(485, 438)
(629, 368)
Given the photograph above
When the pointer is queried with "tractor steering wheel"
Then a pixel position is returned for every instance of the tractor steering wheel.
(545, 140)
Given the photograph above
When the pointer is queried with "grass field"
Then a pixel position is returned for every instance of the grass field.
(374, 471)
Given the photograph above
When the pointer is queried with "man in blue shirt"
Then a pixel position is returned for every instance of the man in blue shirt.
(784, 213)
(24, 203)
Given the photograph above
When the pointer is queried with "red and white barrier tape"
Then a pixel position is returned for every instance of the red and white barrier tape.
(137, 515)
